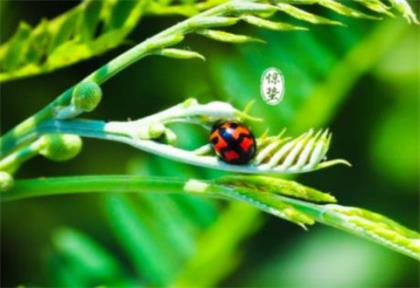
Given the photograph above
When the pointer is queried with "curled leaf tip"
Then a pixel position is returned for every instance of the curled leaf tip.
(245, 115)
(404, 8)
(327, 164)
(249, 106)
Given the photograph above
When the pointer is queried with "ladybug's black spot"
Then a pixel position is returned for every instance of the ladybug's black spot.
(234, 145)
(214, 140)
(233, 125)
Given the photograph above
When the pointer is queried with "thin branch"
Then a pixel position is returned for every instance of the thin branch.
(222, 15)
(275, 155)
(360, 222)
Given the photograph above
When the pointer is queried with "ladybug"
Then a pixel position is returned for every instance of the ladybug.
(233, 142)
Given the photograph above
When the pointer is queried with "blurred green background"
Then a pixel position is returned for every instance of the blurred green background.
(362, 81)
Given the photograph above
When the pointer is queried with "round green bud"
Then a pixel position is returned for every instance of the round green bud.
(86, 96)
(156, 130)
(61, 147)
(6, 181)
(190, 102)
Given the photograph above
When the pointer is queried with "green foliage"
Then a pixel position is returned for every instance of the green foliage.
(81, 260)
(94, 27)
(260, 192)
(87, 30)
(197, 233)
(277, 185)
(374, 226)
(275, 155)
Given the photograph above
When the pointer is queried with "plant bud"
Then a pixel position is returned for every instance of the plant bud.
(189, 102)
(61, 147)
(156, 130)
(86, 96)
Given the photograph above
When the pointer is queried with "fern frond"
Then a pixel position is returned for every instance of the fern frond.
(275, 155)
(303, 15)
(373, 226)
(70, 37)
(264, 193)
(265, 184)
(304, 153)
(89, 29)
(45, 47)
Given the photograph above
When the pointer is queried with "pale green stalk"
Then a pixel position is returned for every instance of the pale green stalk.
(24, 131)
(12, 162)
(357, 221)
(305, 153)
(214, 17)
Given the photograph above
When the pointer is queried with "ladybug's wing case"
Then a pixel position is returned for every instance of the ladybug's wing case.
(233, 142)
(219, 142)
(231, 156)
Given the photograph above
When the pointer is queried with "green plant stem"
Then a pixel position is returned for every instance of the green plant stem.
(128, 133)
(331, 215)
(23, 132)
(14, 160)
(86, 184)
(327, 216)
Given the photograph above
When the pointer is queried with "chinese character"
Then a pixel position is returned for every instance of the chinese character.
(272, 78)
(272, 86)
(272, 92)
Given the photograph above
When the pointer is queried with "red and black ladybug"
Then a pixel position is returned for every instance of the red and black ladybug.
(233, 142)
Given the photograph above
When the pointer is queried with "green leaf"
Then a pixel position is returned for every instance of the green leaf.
(305, 16)
(271, 204)
(213, 21)
(345, 10)
(144, 248)
(404, 8)
(179, 233)
(375, 227)
(280, 186)
(271, 25)
(38, 42)
(90, 19)
(63, 30)
(180, 54)
(17, 48)
(76, 29)
(376, 5)
(119, 14)
(220, 244)
(95, 263)
(134, 236)
(46, 47)
(228, 37)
